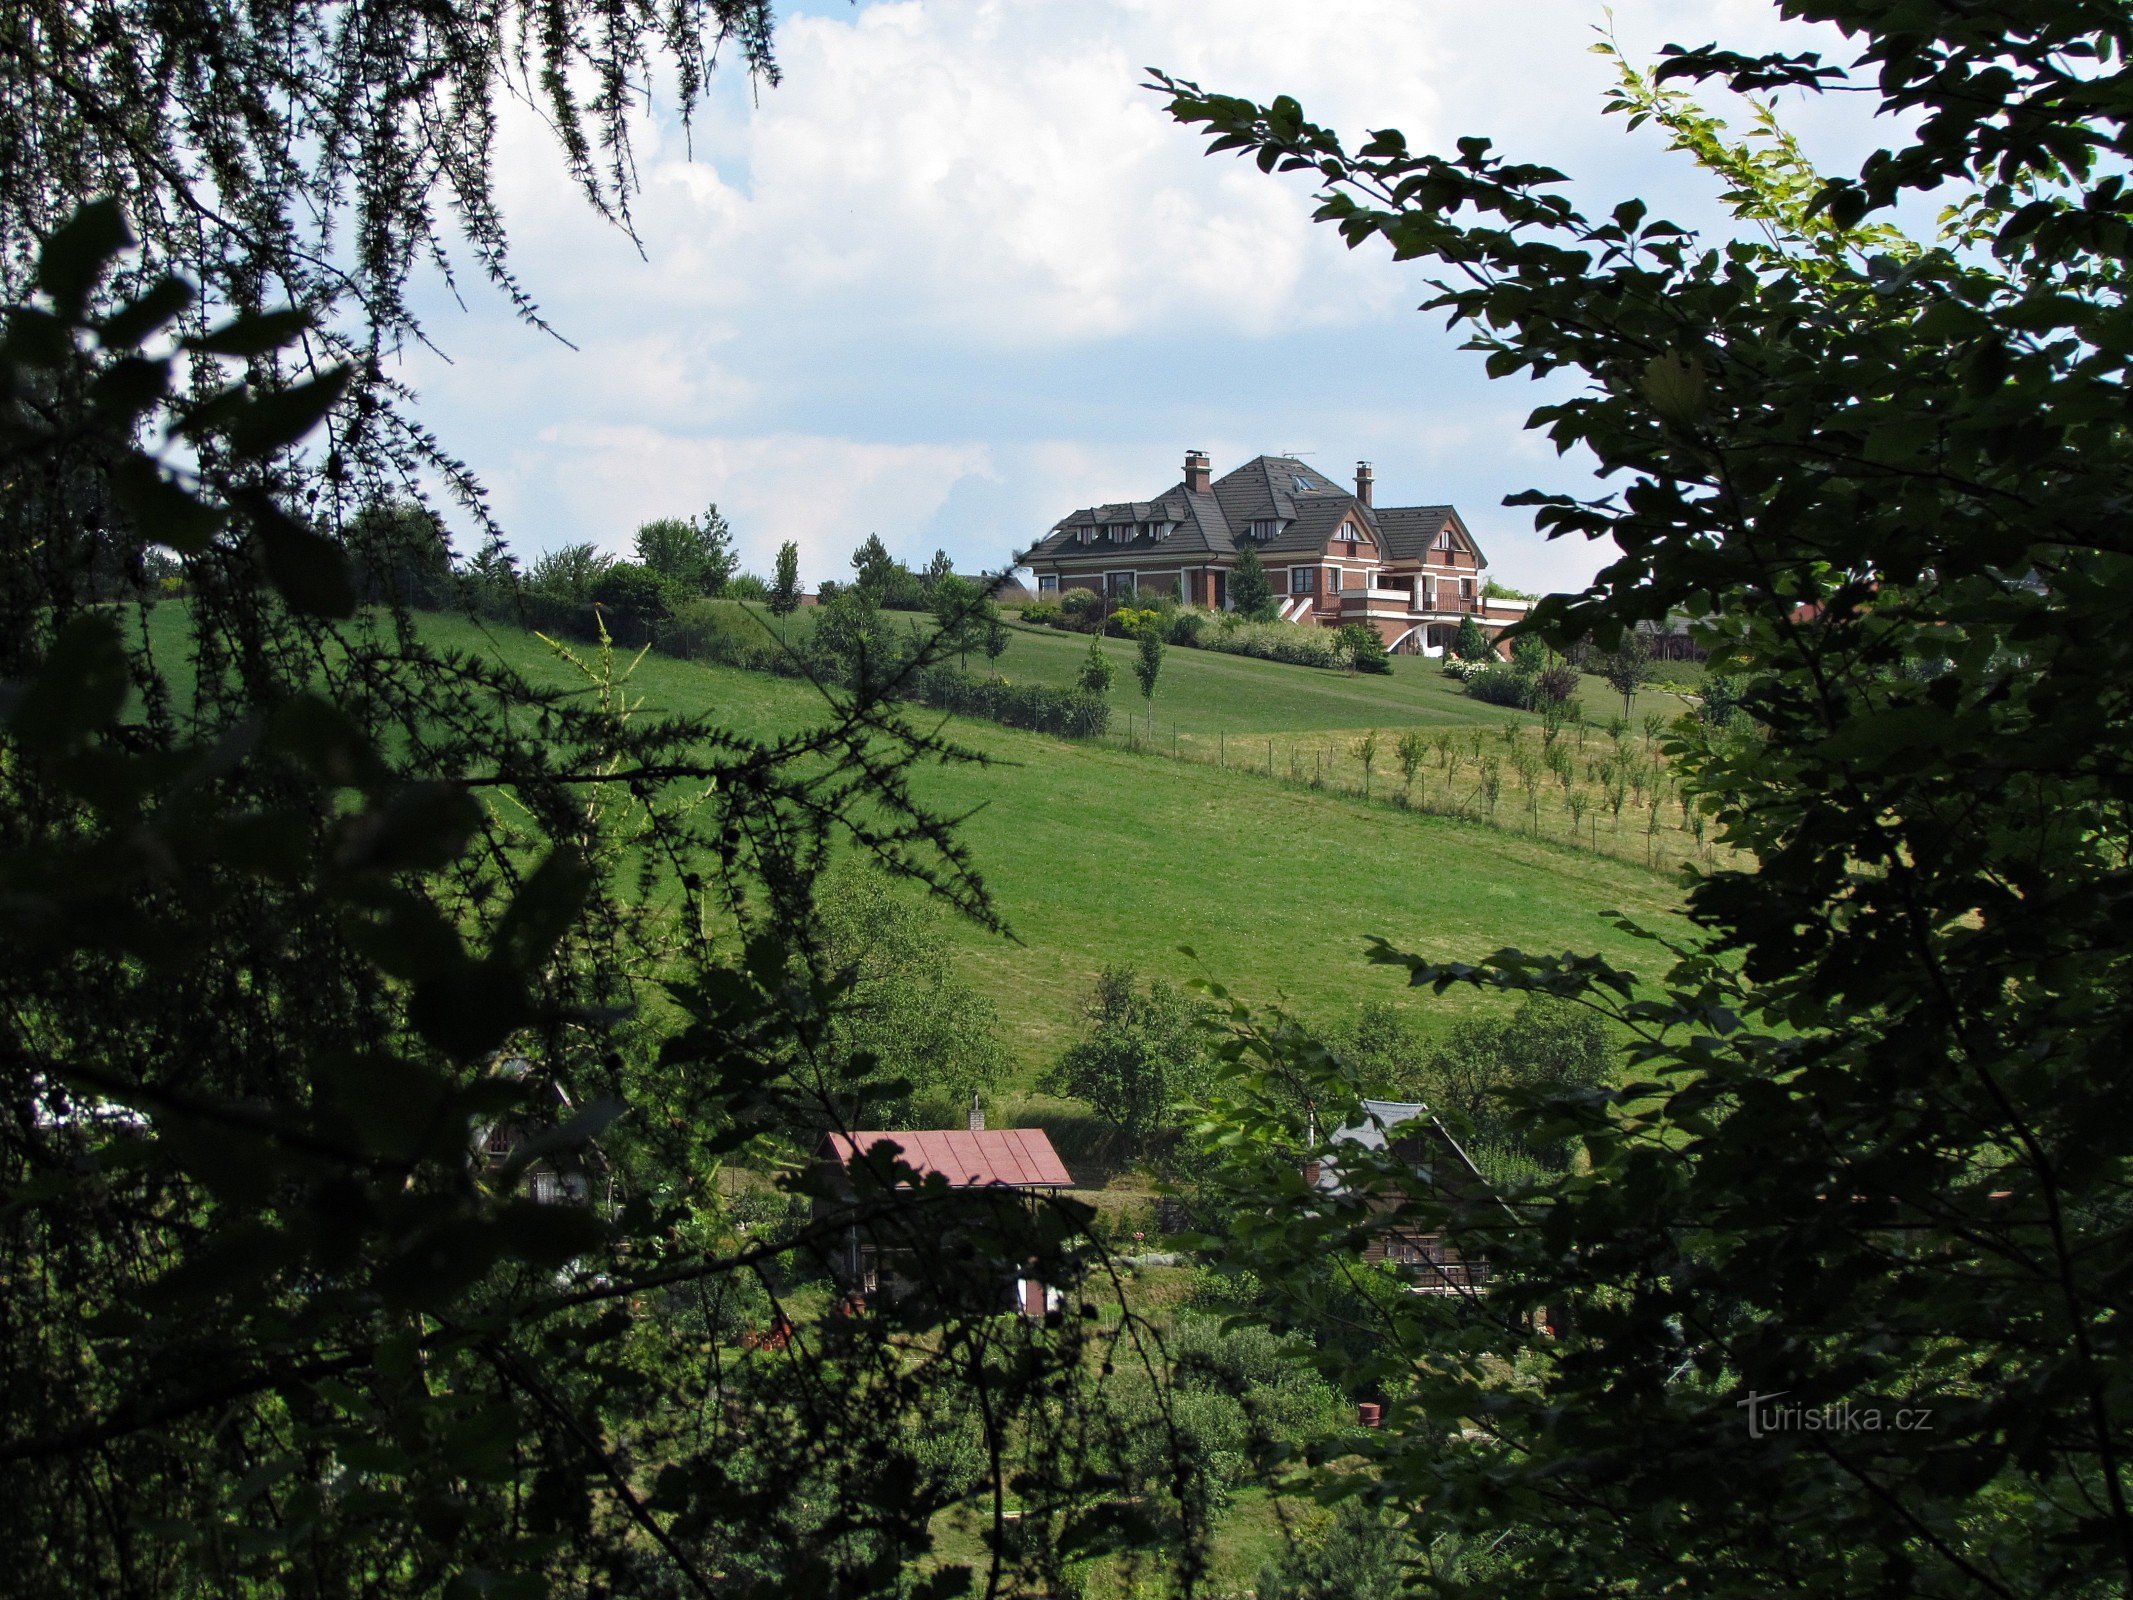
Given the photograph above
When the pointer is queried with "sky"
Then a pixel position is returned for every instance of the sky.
(958, 274)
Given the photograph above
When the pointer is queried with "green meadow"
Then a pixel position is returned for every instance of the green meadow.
(1097, 853)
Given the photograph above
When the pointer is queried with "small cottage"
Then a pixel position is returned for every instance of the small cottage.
(1433, 1163)
(880, 1251)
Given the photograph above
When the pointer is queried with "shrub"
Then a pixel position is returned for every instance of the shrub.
(1276, 641)
(1502, 686)
(1044, 613)
(1071, 713)
(1185, 626)
(717, 630)
(1554, 685)
(1082, 608)
(1132, 621)
(1471, 644)
(747, 586)
(1095, 677)
(1366, 651)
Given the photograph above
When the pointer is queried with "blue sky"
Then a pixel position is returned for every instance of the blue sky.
(957, 275)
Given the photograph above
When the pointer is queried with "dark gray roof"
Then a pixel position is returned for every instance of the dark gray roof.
(1409, 530)
(1302, 499)
(1271, 486)
(1201, 527)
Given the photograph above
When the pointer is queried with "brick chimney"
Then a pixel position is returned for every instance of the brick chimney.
(1196, 472)
(977, 1115)
(1362, 482)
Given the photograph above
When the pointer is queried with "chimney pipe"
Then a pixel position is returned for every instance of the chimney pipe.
(1196, 472)
(977, 1114)
(1362, 482)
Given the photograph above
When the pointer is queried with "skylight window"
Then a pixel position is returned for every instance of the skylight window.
(1303, 484)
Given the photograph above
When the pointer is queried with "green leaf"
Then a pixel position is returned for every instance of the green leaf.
(163, 512)
(543, 909)
(471, 1012)
(254, 334)
(277, 419)
(309, 570)
(139, 317)
(77, 254)
(79, 690)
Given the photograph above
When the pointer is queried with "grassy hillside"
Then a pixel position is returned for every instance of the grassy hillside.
(1100, 854)
(1207, 692)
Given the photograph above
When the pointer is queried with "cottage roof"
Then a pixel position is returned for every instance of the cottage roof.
(1015, 1158)
(1377, 1131)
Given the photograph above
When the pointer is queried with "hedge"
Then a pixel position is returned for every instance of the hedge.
(1074, 713)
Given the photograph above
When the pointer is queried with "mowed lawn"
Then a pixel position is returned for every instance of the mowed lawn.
(1099, 855)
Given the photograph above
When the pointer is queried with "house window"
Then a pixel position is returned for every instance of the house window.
(1047, 583)
(1303, 580)
(1350, 533)
(1466, 588)
(1444, 540)
(1119, 585)
(1333, 580)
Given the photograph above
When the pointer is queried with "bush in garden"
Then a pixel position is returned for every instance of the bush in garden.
(1186, 627)
(1554, 685)
(1082, 608)
(1502, 686)
(1470, 643)
(1366, 650)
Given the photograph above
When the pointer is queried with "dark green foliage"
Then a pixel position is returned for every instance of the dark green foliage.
(1083, 608)
(568, 573)
(1470, 643)
(885, 580)
(1363, 647)
(1142, 1057)
(1095, 676)
(963, 611)
(1072, 713)
(1503, 686)
(1875, 1144)
(1718, 698)
(634, 600)
(1251, 594)
(910, 1040)
(694, 554)
(1148, 661)
(1359, 1553)
(785, 588)
(298, 916)
(852, 642)
(319, 156)
(1628, 667)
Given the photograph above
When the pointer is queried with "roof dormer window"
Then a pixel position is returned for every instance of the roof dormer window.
(1265, 527)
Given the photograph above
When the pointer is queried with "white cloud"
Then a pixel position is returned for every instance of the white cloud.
(604, 479)
(959, 272)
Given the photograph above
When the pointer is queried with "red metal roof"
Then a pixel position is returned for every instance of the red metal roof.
(1019, 1158)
